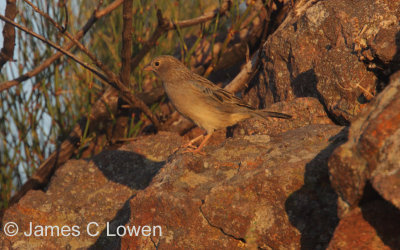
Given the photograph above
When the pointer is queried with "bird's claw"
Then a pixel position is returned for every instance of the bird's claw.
(189, 145)
(194, 151)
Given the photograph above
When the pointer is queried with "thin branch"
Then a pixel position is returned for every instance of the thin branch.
(245, 75)
(45, 15)
(64, 4)
(97, 14)
(151, 42)
(165, 25)
(201, 19)
(235, 28)
(106, 104)
(57, 47)
(110, 77)
(112, 6)
(7, 52)
(126, 42)
(101, 109)
(63, 153)
(98, 63)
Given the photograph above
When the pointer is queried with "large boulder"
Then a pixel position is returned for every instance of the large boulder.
(371, 153)
(247, 192)
(337, 51)
(304, 183)
(83, 191)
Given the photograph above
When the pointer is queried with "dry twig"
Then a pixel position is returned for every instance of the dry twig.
(97, 14)
(245, 75)
(165, 25)
(42, 175)
(7, 52)
(126, 42)
(63, 153)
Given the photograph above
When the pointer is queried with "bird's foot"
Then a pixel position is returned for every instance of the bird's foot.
(189, 146)
(193, 141)
(194, 151)
(200, 147)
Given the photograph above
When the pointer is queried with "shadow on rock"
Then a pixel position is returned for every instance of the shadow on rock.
(106, 241)
(129, 169)
(305, 85)
(383, 216)
(396, 57)
(313, 208)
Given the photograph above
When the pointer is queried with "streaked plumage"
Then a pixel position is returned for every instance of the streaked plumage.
(198, 99)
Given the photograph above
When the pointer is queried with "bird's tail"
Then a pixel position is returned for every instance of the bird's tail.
(264, 114)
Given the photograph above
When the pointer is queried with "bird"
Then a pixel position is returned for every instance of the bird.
(196, 98)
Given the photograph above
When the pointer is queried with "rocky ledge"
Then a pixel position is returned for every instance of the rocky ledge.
(329, 178)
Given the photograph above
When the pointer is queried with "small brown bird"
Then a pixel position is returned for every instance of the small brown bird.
(201, 101)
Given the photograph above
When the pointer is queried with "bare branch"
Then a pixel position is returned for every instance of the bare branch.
(97, 14)
(126, 42)
(110, 77)
(7, 52)
(100, 13)
(57, 47)
(165, 25)
(106, 104)
(149, 44)
(100, 112)
(245, 75)
(45, 15)
(64, 4)
(235, 28)
(201, 19)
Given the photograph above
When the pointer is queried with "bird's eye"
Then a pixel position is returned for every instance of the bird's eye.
(157, 63)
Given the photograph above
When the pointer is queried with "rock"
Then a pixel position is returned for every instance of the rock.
(303, 183)
(329, 50)
(372, 152)
(82, 191)
(249, 191)
(305, 111)
(376, 225)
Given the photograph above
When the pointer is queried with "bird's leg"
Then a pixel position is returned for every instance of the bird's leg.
(190, 143)
(202, 144)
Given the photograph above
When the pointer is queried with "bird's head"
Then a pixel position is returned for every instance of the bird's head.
(166, 67)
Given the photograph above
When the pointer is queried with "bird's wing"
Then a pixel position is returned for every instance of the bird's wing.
(216, 93)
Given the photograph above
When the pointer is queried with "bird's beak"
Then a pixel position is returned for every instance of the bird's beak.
(148, 68)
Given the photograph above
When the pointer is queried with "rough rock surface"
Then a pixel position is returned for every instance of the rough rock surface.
(305, 111)
(276, 184)
(82, 191)
(249, 191)
(374, 225)
(372, 152)
(330, 50)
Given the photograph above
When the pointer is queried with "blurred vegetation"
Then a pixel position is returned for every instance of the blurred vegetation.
(38, 114)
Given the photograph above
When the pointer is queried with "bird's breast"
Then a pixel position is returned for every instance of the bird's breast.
(198, 107)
